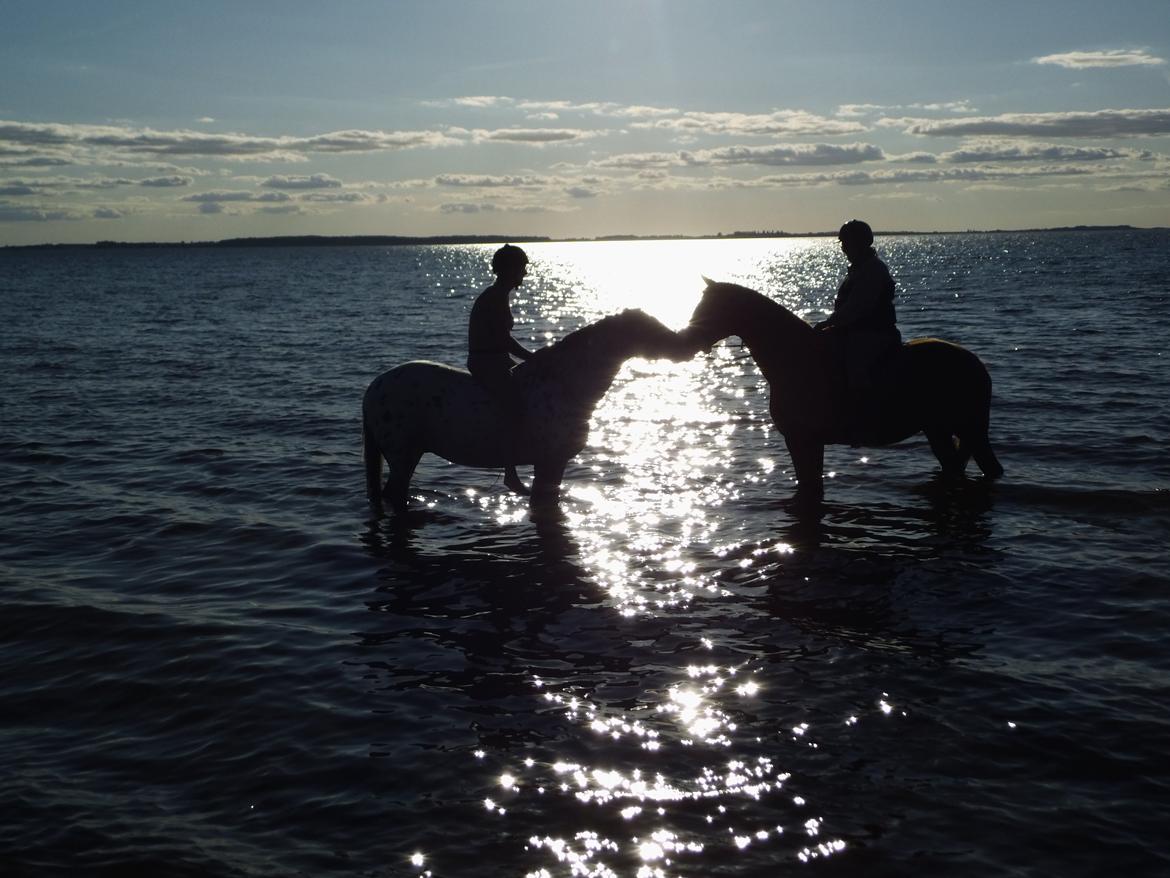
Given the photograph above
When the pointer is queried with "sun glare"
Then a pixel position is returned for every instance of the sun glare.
(663, 278)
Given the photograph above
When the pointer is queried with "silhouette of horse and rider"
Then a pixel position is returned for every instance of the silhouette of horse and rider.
(847, 380)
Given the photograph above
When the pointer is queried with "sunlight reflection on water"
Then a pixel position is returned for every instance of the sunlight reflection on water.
(660, 448)
(664, 278)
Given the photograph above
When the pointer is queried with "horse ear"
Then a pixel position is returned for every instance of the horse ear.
(707, 280)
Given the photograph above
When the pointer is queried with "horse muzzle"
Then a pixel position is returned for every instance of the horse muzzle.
(695, 338)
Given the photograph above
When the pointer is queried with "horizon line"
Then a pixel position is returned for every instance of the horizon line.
(492, 238)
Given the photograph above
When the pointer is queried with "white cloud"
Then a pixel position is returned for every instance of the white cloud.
(477, 102)
(535, 136)
(129, 141)
(913, 158)
(1006, 151)
(1102, 58)
(639, 161)
(778, 123)
(313, 181)
(338, 198)
(487, 181)
(886, 176)
(166, 182)
(221, 196)
(467, 207)
(556, 108)
(856, 110)
(1099, 123)
(787, 154)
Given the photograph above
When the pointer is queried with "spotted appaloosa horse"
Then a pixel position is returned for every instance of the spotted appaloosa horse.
(421, 407)
(936, 387)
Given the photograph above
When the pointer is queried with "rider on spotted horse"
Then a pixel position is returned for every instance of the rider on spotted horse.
(863, 331)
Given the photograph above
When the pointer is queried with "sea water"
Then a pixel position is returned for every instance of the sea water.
(215, 660)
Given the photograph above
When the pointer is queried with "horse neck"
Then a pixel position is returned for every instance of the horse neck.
(584, 371)
(772, 333)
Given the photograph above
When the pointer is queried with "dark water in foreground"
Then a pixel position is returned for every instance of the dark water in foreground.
(214, 661)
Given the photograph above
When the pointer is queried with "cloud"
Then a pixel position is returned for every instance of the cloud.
(1001, 151)
(475, 207)
(476, 102)
(914, 158)
(221, 196)
(778, 123)
(487, 181)
(166, 182)
(888, 176)
(41, 185)
(106, 213)
(1098, 123)
(581, 192)
(466, 207)
(855, 110)
(314, 181)
(787, 154)
(35, 161)
(338, 198)
(555, 108)
(639, 161)
(1102, 58)
(370, 141)
(14, 213)
(535, 136)
(775, 154)
(119, 140)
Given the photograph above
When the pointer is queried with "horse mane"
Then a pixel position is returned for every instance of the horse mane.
(579, 339)
(767, 307)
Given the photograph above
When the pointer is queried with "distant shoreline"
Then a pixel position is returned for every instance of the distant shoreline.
(404, 240)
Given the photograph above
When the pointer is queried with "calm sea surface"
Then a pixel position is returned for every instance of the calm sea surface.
(215, 661)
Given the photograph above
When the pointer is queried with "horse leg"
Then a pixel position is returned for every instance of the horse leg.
(372, 458)
(547, 476)
(980, 447)
(808, 461)
(951, 453)
(402, 464)
(974, 439)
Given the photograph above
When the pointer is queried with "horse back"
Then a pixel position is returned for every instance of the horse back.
(935, 361)
(423, 406)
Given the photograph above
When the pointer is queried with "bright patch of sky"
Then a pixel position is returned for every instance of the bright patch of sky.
(154, 121)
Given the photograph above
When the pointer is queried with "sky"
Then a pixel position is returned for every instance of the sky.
(168, 121)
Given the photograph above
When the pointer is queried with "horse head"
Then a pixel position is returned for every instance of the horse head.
(710, 320)
(645, 336)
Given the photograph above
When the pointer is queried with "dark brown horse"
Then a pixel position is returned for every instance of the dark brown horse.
(935, 387)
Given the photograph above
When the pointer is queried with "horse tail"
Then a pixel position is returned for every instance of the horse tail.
(372, 457)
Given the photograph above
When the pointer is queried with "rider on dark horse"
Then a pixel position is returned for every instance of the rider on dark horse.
(490, 346)
(863, 325)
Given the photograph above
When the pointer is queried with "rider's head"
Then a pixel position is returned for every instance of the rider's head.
(510, 263)
(856, 238)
